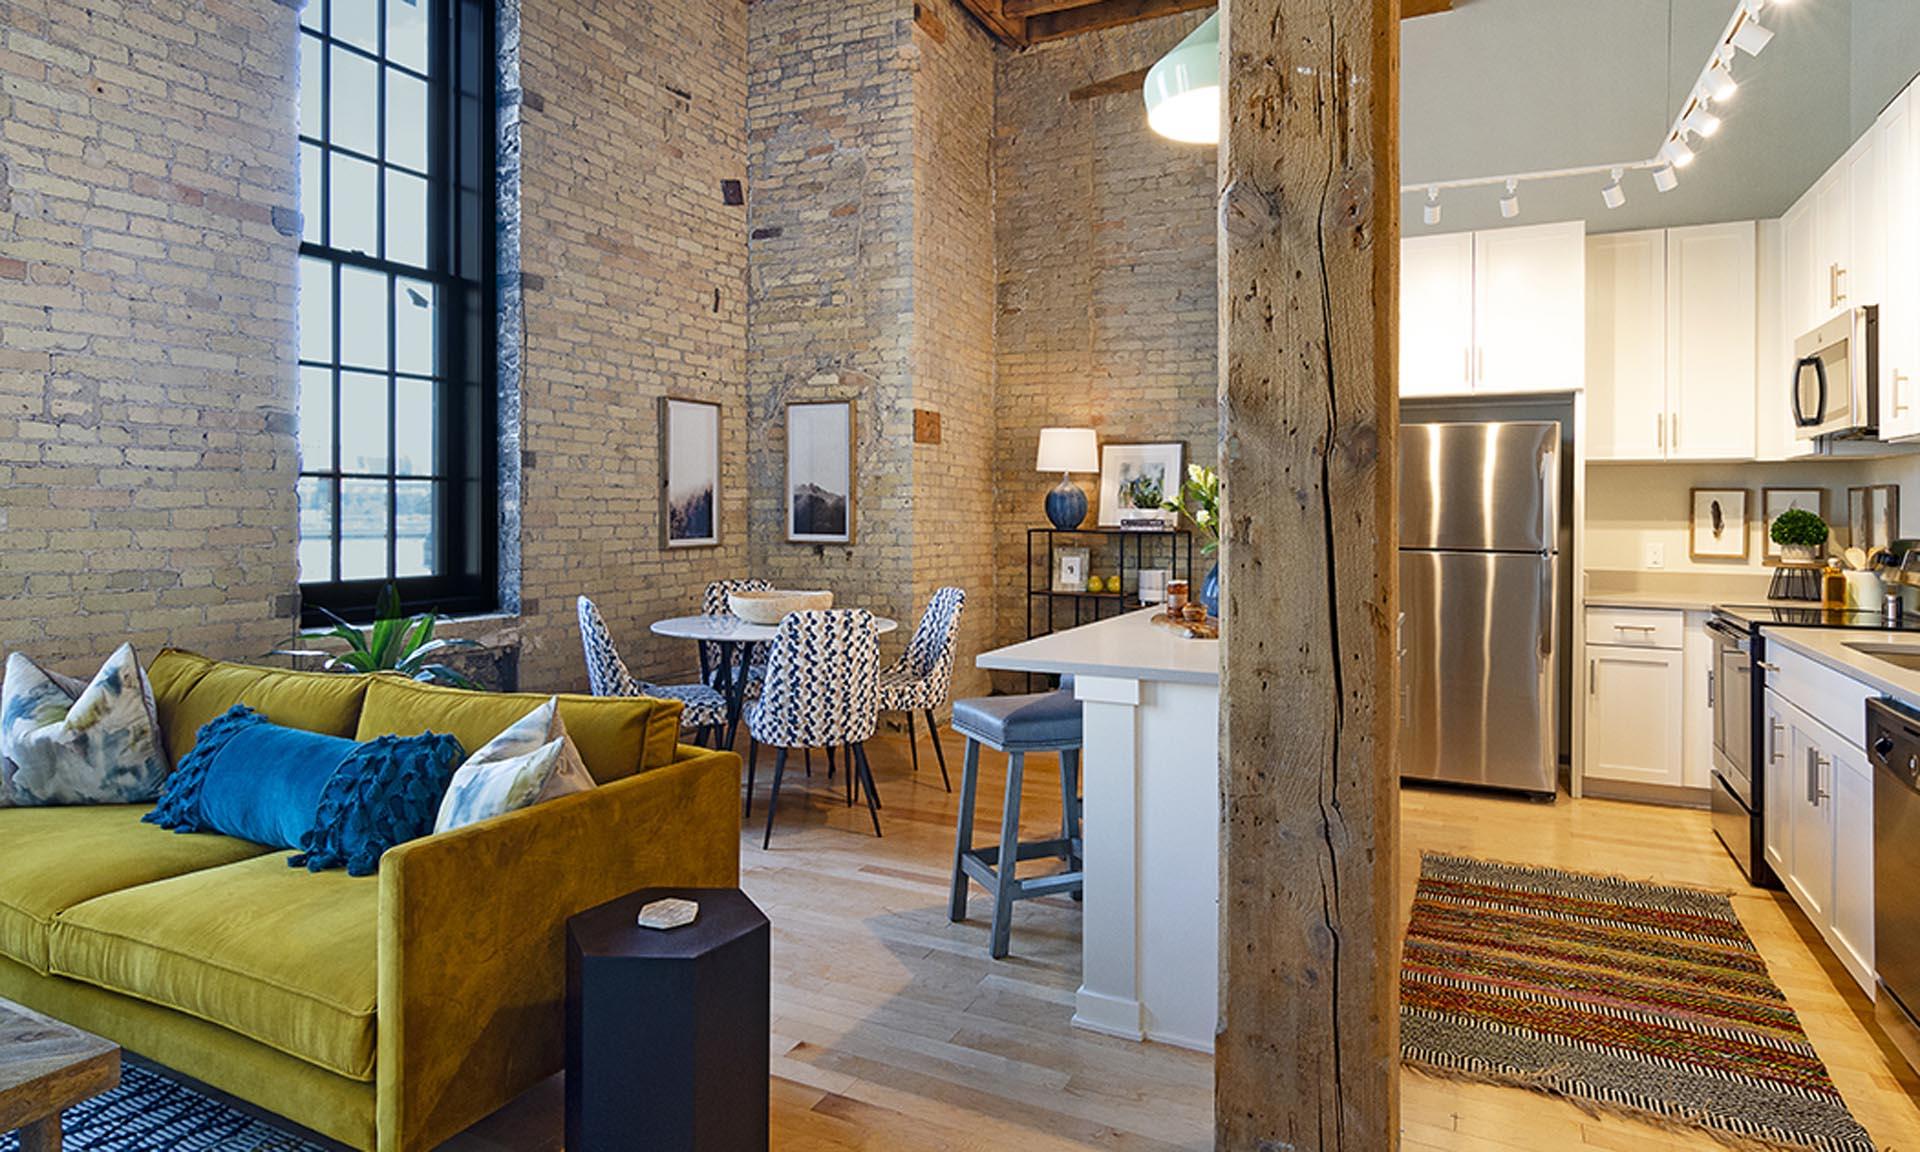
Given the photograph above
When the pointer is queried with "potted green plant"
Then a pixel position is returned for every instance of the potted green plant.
(393, 643)
(1800, 534)
(1200, 500)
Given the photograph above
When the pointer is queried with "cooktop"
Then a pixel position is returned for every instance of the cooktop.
(1782, 614)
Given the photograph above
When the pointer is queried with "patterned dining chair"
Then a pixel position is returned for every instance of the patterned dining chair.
(715, 603)
(821, 691)
(704, 710)
(922, 678)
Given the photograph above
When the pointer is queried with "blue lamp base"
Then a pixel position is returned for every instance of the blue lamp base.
(1066, 505)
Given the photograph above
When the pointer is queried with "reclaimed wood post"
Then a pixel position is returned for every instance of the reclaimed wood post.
(1307, 1056)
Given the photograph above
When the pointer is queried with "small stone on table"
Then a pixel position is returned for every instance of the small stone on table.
(670, 913)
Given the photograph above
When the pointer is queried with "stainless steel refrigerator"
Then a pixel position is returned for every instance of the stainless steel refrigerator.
(1479, 611)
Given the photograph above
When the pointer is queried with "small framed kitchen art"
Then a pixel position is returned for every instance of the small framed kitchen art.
(689, 473)
(1717, 525)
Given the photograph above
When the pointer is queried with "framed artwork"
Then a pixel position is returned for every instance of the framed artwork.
(1717, 528)
(1774, 501)
(820, 473)
(1070, 569)
(1873, 516)
(1136, 478)
(689, 473)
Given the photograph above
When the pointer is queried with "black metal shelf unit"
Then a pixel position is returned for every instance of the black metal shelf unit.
(1132, 549)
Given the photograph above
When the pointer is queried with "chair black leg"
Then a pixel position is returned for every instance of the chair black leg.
(807, 755)
(829, 761)
(852, 777)
(773, 801)
(753, 761)
(858, 753)
(939, 753)
(913, 740)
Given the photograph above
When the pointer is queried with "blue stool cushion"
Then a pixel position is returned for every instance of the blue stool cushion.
(1043, 721)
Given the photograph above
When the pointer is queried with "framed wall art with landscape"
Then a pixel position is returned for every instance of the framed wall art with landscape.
(820, 473)
(689, 473)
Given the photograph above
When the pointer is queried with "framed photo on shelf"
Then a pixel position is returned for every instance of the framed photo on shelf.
(1774, 501)
(820, 472)
(1873, 516)
(1070, 569)
(1135, 479)
(1717, 528)
(689, 473)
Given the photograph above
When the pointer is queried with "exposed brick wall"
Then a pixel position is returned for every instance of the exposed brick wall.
(147, 339)
(635, 288)
(1107, 315)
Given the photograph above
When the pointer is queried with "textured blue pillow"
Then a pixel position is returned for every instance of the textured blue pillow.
(386, 793)
(249, 777)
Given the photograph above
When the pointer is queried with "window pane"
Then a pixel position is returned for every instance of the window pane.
(406, 120)
(407, 33)
(413, 427)
(357, 22)
(354, 96)
(363, 422)
(354, 205)
(316, 420)
(413, 327)
(314, 15)
(311, 84)
(413, 528)
(316, 309)
(363, 318)
(406, 219)
(316, 528)
(363, 529)
(310, 214)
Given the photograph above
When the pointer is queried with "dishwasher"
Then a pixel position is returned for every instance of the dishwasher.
(1893, 742)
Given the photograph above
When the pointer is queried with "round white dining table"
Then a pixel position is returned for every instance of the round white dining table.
(733, 635)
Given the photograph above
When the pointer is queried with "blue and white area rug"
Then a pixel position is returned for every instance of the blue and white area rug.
(150, 1113)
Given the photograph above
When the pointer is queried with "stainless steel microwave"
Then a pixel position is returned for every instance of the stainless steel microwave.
(1836, 369)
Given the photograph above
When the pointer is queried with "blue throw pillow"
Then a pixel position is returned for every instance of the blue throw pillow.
(251, 778)
(386, 793)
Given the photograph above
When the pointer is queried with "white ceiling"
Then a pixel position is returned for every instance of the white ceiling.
(1500, 86)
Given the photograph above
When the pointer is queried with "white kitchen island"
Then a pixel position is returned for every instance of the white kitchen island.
(1150, 776)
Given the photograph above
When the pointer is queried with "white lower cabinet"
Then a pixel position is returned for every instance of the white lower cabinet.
(1634, 724)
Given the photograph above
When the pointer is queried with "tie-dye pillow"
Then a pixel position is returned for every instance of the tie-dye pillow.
(62, 742)
(533, 761)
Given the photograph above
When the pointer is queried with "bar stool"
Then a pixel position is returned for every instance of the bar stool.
(1016, 725)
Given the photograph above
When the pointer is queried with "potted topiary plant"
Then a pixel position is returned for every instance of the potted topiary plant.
(1800, 534)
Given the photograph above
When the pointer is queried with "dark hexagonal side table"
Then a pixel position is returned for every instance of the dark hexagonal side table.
(667, 1031)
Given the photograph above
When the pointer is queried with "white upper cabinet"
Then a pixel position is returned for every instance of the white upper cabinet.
(1833, 237)
(1805, 294)
(1626, 345)
(1436, 314)
(1863, 275)
(1530, 316)
(1710, 342)
(1900, 291)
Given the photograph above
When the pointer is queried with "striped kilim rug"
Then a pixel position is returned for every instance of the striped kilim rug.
(150, 1113)
(1625, 997)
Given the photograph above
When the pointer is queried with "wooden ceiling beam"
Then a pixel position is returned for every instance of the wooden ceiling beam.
(1009, 30)
(1104, 14)
(1125, 82)
(1039, 7)
(1411, 8)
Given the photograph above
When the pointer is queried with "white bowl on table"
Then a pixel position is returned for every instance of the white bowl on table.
(771, 607)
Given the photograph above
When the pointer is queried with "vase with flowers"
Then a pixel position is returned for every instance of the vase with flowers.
(1200, 499)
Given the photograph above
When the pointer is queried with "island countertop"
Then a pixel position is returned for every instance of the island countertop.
(1128, 647)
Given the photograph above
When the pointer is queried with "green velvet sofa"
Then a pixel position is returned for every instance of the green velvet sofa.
(387, 1012)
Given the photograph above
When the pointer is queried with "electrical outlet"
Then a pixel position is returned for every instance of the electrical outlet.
(1656, 554)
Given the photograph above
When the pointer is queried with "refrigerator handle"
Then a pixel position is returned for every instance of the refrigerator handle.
(1548, 570)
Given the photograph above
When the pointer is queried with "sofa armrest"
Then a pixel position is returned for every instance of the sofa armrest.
(473, 933)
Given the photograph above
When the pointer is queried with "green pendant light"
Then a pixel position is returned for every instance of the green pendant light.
(1183, 89)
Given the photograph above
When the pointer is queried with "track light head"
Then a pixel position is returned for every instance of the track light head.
(1701, 121)
(1510, 203)
(1431, 213)
(1751, 37)
(1676, 152)
(1665, 178)
(1613, 195)
(1721, 85)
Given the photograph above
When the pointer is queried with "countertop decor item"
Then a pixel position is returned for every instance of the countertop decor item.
(1796, 524)
(1066, 451)
(772, 606)
(1200, 500)
(1591, 1009)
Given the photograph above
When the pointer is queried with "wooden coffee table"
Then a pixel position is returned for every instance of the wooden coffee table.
(47, 1067)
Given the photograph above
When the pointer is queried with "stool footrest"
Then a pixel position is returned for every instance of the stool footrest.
(1029, 850)
(990, 879)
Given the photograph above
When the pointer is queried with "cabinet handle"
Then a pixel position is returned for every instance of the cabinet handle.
(1899, 382)
(1634, 628)
(1766, 667)
(1833, 285)
(1819, 792)
(1813, 778)
(1466, 366)
(1660, 431)
(1709, 687)
(1593, 678)
(1675, 438)
(1774, 729)
(1479, 365)
(1844, 290)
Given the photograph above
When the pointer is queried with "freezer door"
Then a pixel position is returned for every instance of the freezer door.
(1491, 487)
(1477, 674)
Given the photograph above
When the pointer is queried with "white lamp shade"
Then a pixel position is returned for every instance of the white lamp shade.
(1183, 88)
(1068, 450)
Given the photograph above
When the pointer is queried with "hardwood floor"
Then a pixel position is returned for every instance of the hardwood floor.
(894, 1031)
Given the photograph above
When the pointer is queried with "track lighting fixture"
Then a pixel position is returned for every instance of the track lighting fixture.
(1510, 203)
(1750, 37)
(1720, 82)
(1676, 152)
(1613, 195)
(1701, 121)
(1665, 178)
(1431, 213)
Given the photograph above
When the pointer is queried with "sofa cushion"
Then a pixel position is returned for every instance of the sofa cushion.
(54, 858)
(616, 735)
(190, 690)
(285, 957)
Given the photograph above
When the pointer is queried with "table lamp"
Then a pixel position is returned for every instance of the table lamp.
(1066, 451)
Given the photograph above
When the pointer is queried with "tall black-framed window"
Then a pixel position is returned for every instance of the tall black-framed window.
(397, 407)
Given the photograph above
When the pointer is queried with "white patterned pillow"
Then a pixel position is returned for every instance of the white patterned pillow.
(65, 742)
(530, 763)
